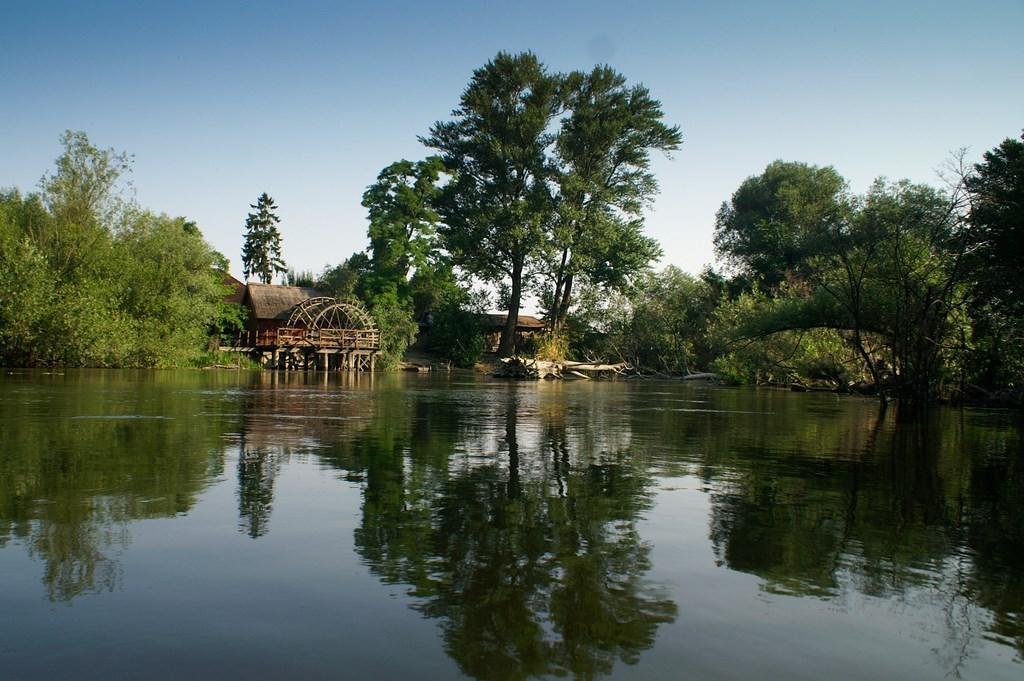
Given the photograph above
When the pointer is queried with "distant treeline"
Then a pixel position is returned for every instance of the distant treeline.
(538, 186)
(905, 291)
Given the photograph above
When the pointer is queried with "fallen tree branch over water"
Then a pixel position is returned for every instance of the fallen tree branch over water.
(522, 367)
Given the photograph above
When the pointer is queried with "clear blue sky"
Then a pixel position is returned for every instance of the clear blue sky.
(308, 101)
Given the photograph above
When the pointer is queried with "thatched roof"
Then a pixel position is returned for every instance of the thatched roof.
(525, 322)
(268, 301)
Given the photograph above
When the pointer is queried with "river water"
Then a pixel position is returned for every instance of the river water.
(169, 525)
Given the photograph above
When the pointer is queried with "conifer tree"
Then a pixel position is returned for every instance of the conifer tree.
(261, 252)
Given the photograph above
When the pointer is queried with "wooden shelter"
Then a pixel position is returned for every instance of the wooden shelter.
(294, 327)
(526, 327)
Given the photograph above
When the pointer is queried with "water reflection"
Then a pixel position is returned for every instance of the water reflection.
(281, 414)
(515, 529)
(526, 548)
(81, 461)
(514, 516)
(257, 469)
(925, 512)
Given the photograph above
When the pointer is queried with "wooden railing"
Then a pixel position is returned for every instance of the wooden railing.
(348, 339)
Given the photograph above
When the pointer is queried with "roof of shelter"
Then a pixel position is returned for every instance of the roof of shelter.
(525, 322)
(269, 301)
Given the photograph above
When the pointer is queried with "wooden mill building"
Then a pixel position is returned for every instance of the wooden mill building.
(297, 328)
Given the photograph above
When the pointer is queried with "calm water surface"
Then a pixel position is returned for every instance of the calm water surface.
(189, 525)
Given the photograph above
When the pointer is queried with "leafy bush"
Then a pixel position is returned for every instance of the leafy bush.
(89, 279)
(397, 327)
(551, 347)
(456, 332)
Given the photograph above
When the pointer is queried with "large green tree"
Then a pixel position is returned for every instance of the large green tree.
(403, 223)
(60, 247)
(261, 252)
(604, 180)
(996, 268)
(84, 201)
(499, 205)
(889, 278)
(172, 289)
(997, 225)
(775, 221)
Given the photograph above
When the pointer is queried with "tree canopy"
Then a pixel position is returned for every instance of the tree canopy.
(87, 278)
(499, 203)
(776, 220)
(602, 156)
(997, 224)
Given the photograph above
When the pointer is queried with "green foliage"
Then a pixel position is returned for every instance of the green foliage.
(604, 182)
(775, 221)
(397, 328)
(885, 272)
(663, 324)
(261, 252)
(346, 280)
(763, 354)
(551, 346)
(406, 279)
(456, 331)
(171, 290)
(431, 287)
(218, 359)
(995, 264)
(84, 206)
(995, 350)
(228, 320)
(403, 224)
(26, 286)
(295, 278)
(528, 197)
(498, 203)
(997, 226)
(60, 301)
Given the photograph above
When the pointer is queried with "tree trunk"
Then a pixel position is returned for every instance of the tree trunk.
(562, 306)
(506, 347)
(511, 422)
(556, 300)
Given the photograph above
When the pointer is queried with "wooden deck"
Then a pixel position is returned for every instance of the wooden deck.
(334, 339)
(296, 348)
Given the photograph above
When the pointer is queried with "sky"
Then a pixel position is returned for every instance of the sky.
(218, 102)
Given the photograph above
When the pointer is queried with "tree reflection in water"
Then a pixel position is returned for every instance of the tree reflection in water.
(514, 520)
(917, 509)
(513, 514)
(113, 449)
(524, 545)
(283, 415)
(257, 469)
